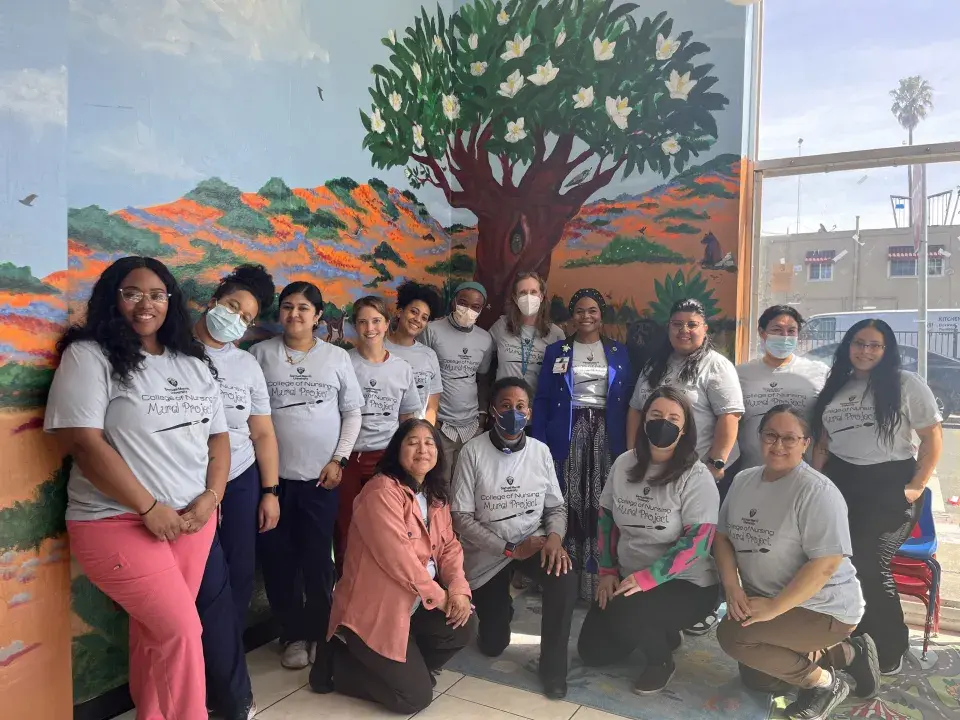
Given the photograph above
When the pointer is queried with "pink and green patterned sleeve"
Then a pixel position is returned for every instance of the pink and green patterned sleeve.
(694, 545)
(607, 540)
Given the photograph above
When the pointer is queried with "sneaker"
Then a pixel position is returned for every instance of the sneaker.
(893, 669)
(654, 679)
(252, 710)
(702, 627)
(819, 703)
(865, 670)
(296, 655)
(675, 640)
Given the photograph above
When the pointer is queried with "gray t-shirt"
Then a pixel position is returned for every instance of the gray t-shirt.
(507, 493)
(589, 375)
(777, 527)
(244, 392)
(796, 383)
(714, 392)
(463, 355)
(850, 421)
(159, 424)
(389, 391)
(651, 519)
(307, 399)
(426, 370)
(514, 352)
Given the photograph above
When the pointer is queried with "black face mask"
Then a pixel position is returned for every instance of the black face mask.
(661, 433)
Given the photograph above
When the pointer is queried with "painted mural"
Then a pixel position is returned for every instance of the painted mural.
(597, 142)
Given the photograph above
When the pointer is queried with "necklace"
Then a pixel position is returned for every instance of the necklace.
(303, 353)
(590, 348)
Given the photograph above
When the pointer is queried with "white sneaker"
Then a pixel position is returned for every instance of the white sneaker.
(295, 655)
(252, 712)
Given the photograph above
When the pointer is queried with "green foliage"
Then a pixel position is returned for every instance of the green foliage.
(196, 292)
(275, 189)
(678, 287)
(16, 279)
(682, 229)
(459, 246)
(100, 656)
(682, 213)
(323, 225)
(649, 205)
(379, 185)
(342, 187)
(458, 265)
(624, 250)
(331, 311)
(409, 195)
(456, 228)
(599, 222)
(708, 190)
(97, 229)
(23, 385)
(217, 194)
(246, 220)
(27, 523)
(558, 310)
(383, 192)
(383, 274)
(385, 252)
(448, 292)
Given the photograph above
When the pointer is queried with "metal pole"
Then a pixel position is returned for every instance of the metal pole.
(799, 154)
(922, 262)
(856, 266)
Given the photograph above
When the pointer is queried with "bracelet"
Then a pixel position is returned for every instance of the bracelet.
(155, 501)
(215, 496)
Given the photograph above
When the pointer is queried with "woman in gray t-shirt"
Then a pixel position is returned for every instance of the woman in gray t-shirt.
(783, 550)
(867, 423)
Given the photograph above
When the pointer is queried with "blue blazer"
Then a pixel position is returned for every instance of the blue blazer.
(553, 405)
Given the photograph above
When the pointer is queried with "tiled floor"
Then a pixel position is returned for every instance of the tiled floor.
(283, 695)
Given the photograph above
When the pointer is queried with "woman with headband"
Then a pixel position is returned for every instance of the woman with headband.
(580, 412)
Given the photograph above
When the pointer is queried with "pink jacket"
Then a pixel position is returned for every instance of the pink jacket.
(385, 568)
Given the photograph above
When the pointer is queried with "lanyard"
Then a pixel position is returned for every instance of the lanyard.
(526, 352)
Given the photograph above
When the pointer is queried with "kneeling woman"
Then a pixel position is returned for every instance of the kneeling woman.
(658, 516)
(401, 609)
(793, 599)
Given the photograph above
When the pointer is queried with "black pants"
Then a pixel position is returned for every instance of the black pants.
(297, 562)
(228, 682)
(729, 473)
(402, 687)
(495, 611)
(648, 622)
(881, 520)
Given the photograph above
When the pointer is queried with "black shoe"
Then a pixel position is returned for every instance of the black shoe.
(555, 689)
(894, 669)
(702, 627)
(865, 669)
(654, 679)
(819, 703)
(321, 673)
(675, 640)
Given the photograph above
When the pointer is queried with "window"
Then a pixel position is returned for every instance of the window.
(935, 267)
(820, 272)
(903, 267)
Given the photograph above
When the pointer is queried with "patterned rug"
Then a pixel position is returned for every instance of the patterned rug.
(706, 686)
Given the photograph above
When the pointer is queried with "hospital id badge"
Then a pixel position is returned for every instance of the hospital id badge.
(561, 365)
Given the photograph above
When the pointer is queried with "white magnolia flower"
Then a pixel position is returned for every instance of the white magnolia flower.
(437, 43)
(603, 49)
(473, 41)
(418, 137)
(670, 146)
(478, 68)
(503, 18)
(515, 131)
(512, 85)
(392, 37)
(544, 75)
(618, 109)
(517, 47)
(679, 85)
(666, 47)
(583, 98)
(376, 122)
(561, 38)
(396, 102)
(417, 73)
(451, 106)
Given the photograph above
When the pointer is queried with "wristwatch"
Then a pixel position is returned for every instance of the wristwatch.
(342, 462)
(272, 490)
(718, 464)
(509, 549)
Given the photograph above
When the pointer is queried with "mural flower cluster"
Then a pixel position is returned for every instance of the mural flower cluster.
(500, 104)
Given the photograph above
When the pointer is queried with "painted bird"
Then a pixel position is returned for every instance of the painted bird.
(579, 178)
(28, 200)
(320, 92)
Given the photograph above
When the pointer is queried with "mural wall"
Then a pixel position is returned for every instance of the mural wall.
(597, 142)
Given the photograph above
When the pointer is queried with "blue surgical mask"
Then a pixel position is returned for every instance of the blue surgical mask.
(780, 346)
(224, 325)
(511, 422)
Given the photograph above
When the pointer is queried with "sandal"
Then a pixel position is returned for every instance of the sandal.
(702, 627)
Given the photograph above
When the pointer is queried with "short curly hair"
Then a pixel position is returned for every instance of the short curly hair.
(254, 279)
(411, 291)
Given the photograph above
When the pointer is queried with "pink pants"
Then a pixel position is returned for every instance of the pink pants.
(156, 582)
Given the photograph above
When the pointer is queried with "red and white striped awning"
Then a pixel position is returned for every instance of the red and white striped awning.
(820, 256)
(906, 252)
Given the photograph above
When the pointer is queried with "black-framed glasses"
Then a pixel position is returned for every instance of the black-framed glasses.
(768, 437)
(871, 347)
(133, 296)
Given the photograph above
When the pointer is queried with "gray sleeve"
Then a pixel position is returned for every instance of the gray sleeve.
(350, 422)
(436, 383)
(722, 517)
(488, 356)
(80, 392)
(700, 499)
(554, 506)
(823, 523)
(723, 388)
(919, 403)
(478, 534)
(350, 395)
(410, 403)
(426, 337)
(555, 520)
(640, 394)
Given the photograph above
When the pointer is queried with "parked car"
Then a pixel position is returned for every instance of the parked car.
(943, 373)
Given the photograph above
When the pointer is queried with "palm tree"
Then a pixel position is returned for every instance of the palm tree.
(912, 100)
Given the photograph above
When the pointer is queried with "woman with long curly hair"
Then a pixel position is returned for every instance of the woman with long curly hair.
(864, 424)
(136, 402)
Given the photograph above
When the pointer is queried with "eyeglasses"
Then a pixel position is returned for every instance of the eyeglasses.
(789, 441)
(133, 296)
(245, 320)
(872, 347)
(678, 326)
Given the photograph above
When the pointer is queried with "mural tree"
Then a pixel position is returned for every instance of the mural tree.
(501, 105)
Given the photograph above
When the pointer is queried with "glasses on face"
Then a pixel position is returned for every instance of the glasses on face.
(245, 319)
(133, 296)
(768, 437)
(869, 347)
(678, 326)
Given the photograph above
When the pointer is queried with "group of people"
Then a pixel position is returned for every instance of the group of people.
(393, 493)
